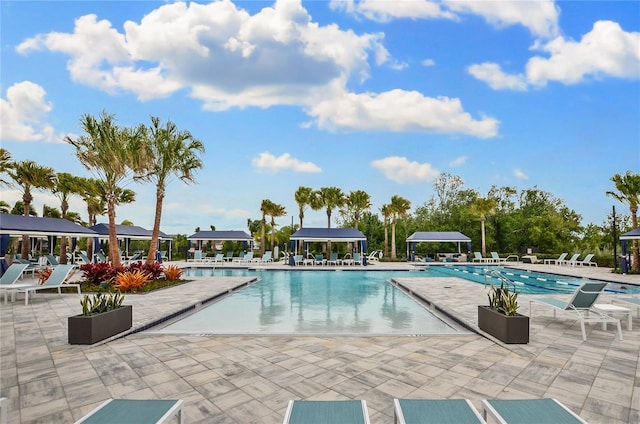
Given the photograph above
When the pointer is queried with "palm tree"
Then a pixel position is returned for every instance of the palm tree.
(303, 196)
(6, 163)
(111, 153)
(399, 207)
(483, 207)
(386, 212)
(356, 203)
(29, 175)
(329, 198)
(171, 153)
(276, 211)
(628, 191)
(66, 185)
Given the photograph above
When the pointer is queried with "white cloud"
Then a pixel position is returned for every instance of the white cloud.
(386, 10)
(428, 62)
(24, 112)
(459, 161)
(403, 171)
(400, 110)
(268, 162)
(519, 174)
(606, 51)
(540, 16)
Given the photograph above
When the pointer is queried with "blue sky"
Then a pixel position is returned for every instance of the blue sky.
(380, 96)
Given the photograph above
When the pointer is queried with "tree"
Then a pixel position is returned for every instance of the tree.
(355, 204)
(304, 197)
(386, 216)
(265, 208)
(110, 153)
(170, 153)
(6, 163)
(29, 175)
(399, 208)
(483, 207)
(329, 198)
(276, 211)
(66, 185)
(628, 191)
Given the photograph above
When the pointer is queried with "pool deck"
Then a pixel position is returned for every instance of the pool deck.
(249, 379)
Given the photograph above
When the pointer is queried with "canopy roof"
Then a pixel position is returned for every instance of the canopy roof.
(438, 237)
(631, 235)
(128, 231)
(329, 234)
(18, 225)
(230, 235)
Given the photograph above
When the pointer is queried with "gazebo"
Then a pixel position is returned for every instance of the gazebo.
(436, 237)
(223, 235)
(343, 235)
(128, 233)
(630, 235)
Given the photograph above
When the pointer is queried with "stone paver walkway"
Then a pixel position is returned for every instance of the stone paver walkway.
(249, 379)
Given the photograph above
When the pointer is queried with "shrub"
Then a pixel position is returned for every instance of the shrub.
(153, 270)
(503, 300)
(172, 273)
(99, 272)
(131, 281)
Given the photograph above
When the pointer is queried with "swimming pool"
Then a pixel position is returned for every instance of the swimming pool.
(318, 303)
(526, 282)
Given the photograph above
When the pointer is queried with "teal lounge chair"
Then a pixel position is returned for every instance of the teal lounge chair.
(633, 301)
(441, 411)
(148, 411)
(52, 260)
(55, 281)
(581, 303)
(327, 412)
(12, 274)
(530, 411)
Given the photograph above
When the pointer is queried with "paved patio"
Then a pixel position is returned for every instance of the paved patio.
(249, 379)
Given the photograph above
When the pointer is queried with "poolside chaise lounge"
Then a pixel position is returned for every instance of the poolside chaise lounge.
(12, 274)
(55, 281)
(587, 261)
(333, 259)
(496, 258)
(148, 411)
(581, 303)
(557, 261)
(477, 257)
(219, 258)
(539, 411)
(441, 411)
(632, 301)
(298, 260)
(310, 259)
(571, 261)
(327, 412)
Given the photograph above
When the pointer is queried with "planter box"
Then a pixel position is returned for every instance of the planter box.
(92, 329)
(508, 329)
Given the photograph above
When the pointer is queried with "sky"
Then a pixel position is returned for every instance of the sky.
(373, 95)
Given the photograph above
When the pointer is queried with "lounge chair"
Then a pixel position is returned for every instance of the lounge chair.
(219, 258)
(197, 256)
(581, 303)
(135, 258)
(53, 261)
(31, 267)
(326, 412)
(265, 259)
(529, 411)
(477, 257)
(12, 274)
(298, 260)
(556, 261)
(82, 257)
(146, 411)
(571, 261)
(587, 261)
(247, 258)
(374, 256)
(229, 256)
(309, 260)
(55, 281)
(633, 301)
(497, 259)
(441, 411)
(320, 260)
(333, 259)
(101, 257)
(347, 259)
(357, 259)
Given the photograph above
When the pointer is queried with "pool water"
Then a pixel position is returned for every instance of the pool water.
(304, 302)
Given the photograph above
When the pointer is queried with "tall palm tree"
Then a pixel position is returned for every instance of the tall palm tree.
(303, 196)
(628, 191)
(171, 154)
(29, 175)
(276, 211)
(265, 207)
(6, 162)
(356, 203)
(328, 198)
(399, 208)
(66, 185)
(386, 212)
(110, 153)
(483, 207)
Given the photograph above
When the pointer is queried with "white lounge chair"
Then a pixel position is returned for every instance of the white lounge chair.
(587, 261)
(581, 304)
(148, 411)
(57, 280)
(529, 411)
(571, 261)
(326, 412)
(632, 301)
(557, 261)
(309, 260)
(477, 257)
(441, 411)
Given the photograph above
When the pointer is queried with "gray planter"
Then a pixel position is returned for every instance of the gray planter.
(508, 329)
(92, 329)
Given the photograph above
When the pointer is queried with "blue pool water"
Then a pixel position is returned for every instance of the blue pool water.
(303, 302)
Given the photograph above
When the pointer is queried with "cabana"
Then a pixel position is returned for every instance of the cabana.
(436, 237)
(33, 226)
(631, 235)
(223, 235)
(342, 235)
(128, 233)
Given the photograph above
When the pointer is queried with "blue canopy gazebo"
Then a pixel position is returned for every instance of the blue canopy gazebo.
(128, 233)
(222, 235)
(343, 235)
(436, 237)
(33, 226)
(624, 238)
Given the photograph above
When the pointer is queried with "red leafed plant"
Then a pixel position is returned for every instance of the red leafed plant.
(99, 272)
(154, 270)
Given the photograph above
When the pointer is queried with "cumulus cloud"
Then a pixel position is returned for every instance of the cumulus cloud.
(268, 162)
(519, 174)
(606, 51)
(385, 11)
(24, 112)
(428, 62)
(459, 161)
(403, 171)
(400, 110)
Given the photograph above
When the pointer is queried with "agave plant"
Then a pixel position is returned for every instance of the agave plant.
(504, 299)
